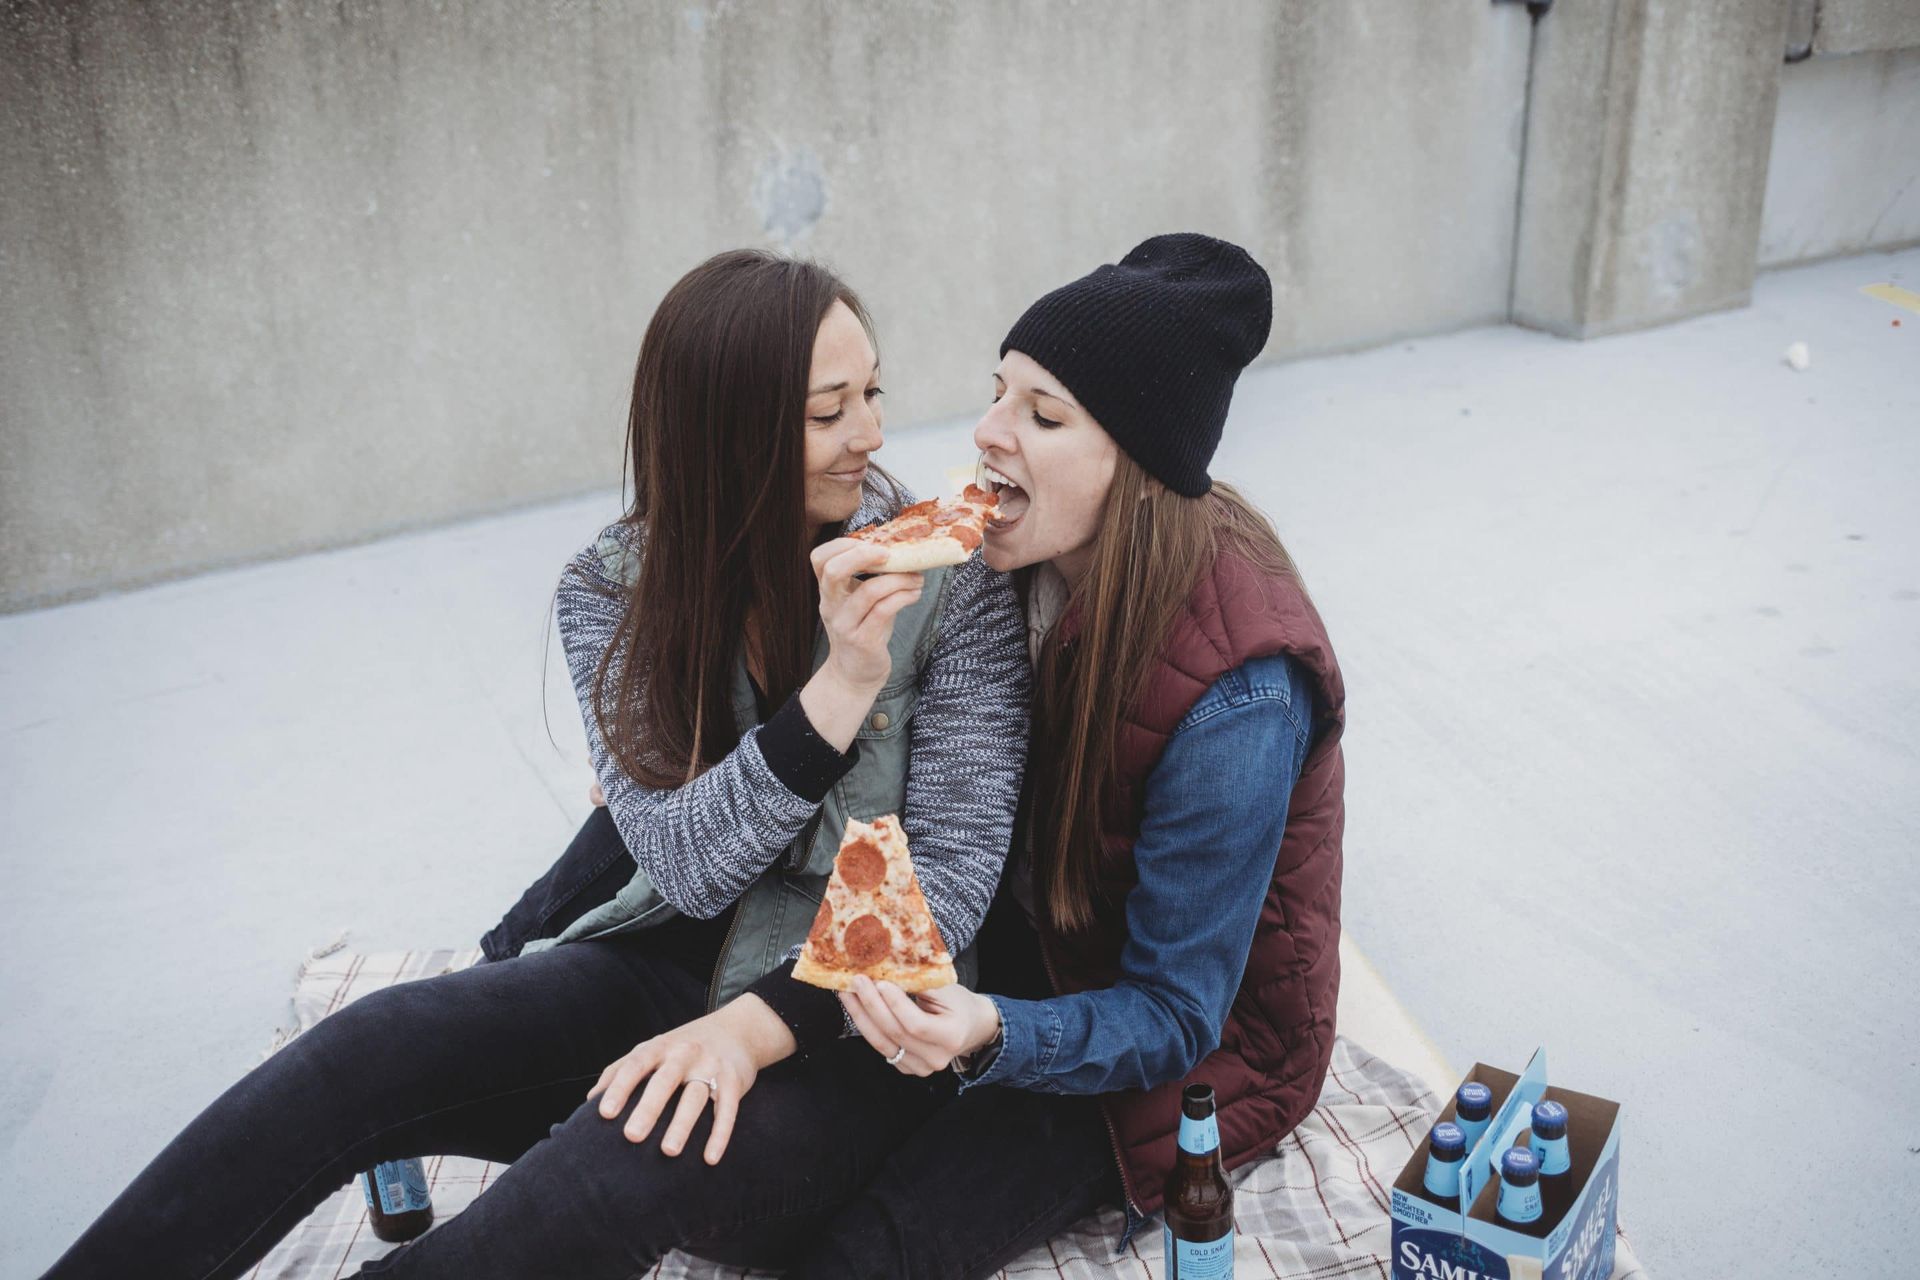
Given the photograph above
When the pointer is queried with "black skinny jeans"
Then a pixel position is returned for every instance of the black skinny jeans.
(839, 1166)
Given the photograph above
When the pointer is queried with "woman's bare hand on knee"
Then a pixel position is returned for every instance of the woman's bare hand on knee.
(714, 1060)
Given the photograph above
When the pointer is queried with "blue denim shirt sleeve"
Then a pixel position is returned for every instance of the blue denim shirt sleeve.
(1216, 808)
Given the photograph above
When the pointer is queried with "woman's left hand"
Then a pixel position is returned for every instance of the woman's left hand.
(714, 1059)
(934, 1027)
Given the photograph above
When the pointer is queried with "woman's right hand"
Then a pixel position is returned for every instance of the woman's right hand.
(858, 617)
(712, 1060)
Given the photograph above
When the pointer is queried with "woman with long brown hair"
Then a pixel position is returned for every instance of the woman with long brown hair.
(1171, 911)
(747, 689)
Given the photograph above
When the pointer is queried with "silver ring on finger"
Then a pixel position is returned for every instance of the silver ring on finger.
(713, 1086)
(899, 1055)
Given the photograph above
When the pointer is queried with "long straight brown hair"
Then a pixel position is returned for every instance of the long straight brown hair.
(716, 437)
(1151, 550)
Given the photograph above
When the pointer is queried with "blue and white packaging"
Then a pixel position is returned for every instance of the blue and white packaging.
(1574, 1238)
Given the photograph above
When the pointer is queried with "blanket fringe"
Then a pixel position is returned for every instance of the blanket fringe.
(325, 949)
(328, 948)
(283, 1034)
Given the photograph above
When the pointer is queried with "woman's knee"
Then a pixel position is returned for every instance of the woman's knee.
(397, 1038)
(587, 1172)
(665, 1202)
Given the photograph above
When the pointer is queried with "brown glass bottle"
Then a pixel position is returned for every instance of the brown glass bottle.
(398, 1205)
(1199, 1231)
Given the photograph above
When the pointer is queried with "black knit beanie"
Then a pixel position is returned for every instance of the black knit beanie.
(1152, 347)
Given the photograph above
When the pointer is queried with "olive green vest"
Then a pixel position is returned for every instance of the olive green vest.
(775, 913)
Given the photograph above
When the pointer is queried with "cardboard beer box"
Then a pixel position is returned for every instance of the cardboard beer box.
(1574, 1236)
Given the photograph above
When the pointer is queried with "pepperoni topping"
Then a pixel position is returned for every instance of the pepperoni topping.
(966, 535)
(826, 952)
(863, 868)
(920, 520)
(821, 935)
(868, 941)
(910, 530)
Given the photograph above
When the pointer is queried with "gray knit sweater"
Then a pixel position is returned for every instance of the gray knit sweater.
(703, 844)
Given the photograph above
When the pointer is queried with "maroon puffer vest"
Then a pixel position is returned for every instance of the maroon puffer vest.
(1278, 1037)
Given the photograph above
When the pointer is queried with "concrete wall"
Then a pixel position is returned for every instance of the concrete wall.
(280, 276)
(1845, 172)
(1865, 26)
(1647, 136)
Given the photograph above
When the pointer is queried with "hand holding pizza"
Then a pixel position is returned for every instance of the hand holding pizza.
(874, 940)
(858, 615)
(858, 618)
(933, 1028)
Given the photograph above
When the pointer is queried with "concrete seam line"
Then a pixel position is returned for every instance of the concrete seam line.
(1520, 174)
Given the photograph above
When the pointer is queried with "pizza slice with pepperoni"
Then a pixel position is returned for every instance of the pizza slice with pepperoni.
(929, 534)
(873, 919)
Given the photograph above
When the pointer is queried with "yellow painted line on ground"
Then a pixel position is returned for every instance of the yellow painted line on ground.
(1895, 294)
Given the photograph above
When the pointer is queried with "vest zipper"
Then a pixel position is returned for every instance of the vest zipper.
(720, 964)
(1106, 1118)
(807, 838)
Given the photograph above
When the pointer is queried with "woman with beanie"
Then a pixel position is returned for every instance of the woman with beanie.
(1171, 911)
(744, 696)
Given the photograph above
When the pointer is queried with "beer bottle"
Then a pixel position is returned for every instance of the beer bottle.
(1473, 1110)
(1550, 1140)
(1446, 1150)
(397, 1201)
(1199, 1230)
(1549, 1144)
(1519, 1201)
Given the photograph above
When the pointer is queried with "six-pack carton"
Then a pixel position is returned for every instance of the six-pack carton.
(1574, 1237)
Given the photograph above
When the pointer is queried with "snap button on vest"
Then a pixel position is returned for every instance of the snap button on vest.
(880, 720)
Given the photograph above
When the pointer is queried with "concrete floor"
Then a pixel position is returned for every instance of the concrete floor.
(1632, 635)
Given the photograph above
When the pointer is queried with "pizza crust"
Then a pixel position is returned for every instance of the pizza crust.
(927, 553)
(912, 980)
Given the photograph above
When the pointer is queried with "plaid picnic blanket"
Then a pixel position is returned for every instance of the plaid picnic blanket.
(1315, 1210)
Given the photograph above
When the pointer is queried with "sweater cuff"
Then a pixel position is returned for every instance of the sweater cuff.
(814, 1015)
(805, 762)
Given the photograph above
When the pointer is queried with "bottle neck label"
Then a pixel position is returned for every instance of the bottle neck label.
(1199, 1137)
(1185, 1260)
(1443, 1178)
(1519, 1204)
(1554, 1155)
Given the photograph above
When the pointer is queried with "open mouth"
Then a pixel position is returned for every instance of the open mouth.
(1014, 500)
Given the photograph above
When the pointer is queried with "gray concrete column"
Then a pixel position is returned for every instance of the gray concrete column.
(1649, 124)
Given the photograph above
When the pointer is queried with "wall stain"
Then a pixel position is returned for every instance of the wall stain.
(790, 193)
